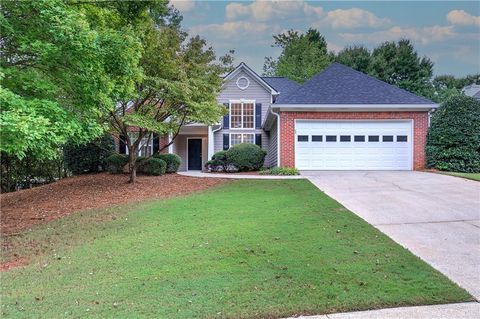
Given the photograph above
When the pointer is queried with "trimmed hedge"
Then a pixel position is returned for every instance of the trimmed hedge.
(90, 157)
(246, 156)
(280, 171)
(152, 166)
(453, 140)
(116, 162)
(173, 161)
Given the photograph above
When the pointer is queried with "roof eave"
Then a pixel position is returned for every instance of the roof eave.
(259, 79)
(356, 107)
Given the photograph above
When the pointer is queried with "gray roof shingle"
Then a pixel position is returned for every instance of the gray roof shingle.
(281, 84)
(339, 84)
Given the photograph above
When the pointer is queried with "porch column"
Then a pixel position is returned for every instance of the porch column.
(170, 147)
(210, 142)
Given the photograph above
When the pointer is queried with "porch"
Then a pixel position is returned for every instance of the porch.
(195, 146)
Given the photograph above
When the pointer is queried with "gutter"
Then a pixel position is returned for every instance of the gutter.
(278, 135)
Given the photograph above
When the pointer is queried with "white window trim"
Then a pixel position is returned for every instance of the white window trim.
(242, 134)
(140, 145)
(242, 101)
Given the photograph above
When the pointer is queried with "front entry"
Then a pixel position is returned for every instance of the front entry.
(194, 156)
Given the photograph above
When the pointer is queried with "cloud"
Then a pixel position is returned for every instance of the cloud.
(237, 30)
(183, 5)
(423, 35)
(271, 10)
(354, 18)
(460, 17)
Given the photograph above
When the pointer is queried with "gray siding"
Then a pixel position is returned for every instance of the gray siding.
(256, 92)
(271, 159)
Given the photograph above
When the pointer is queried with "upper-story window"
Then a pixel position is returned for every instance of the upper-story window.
(242, 114)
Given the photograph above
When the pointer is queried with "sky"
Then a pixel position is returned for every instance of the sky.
(448, 32)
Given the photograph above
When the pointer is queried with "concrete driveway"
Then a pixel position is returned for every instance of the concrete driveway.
(437, 217)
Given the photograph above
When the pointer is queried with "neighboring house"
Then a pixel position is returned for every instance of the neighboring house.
(341, 119)
(472, 90)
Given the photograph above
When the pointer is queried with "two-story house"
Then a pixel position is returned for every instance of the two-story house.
(341, 119)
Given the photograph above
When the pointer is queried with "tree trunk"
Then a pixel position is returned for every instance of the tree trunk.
(132, 167)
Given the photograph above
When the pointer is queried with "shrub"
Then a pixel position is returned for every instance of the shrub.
(280, 171)
(453, 140)
(173, 161)
(246, 156)
(90, 157)
(219, 163)
(152, 166)
(116, 162)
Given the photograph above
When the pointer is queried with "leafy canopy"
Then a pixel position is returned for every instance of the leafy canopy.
(58, 75)
(303, 55)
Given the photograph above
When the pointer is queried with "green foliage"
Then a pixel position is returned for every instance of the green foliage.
(29, 171)
(246, 156)
(453, 140)
(280, 171)
(59, 75)
(116, 163)
(303, 55)
(152, 166)
(90, 157)
(398, 63)
(356, 57)
(173, 161)
(218, 162)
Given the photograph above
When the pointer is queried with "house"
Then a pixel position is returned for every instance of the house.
(472, 90)
(341, 119)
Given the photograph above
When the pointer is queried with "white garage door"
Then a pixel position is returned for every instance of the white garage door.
(353, 145)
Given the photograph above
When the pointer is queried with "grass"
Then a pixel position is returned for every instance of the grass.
(472, 176)
(245, 249)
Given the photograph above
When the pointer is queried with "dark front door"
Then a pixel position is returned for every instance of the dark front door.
(194, 154)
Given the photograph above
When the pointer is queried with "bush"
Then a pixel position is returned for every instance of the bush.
(280, 171)
(173, 161)
(246, 156)
(116, 162)
(219, 163)
(152, 166)
(90, 157)
(453, 140)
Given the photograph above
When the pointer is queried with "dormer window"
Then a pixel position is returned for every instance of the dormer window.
(242, 114)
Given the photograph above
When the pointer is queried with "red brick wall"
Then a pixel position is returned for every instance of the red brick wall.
(287, 130)
(163, 141)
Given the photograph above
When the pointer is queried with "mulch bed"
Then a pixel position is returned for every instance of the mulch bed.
(23, 209)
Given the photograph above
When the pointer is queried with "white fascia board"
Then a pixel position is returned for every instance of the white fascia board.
(355, 107)
(243, 66)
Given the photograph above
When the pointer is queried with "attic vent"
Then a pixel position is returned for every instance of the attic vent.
(242, 83)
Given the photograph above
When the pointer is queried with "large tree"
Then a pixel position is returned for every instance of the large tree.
(303, 55)
(398, 63)
(58, 76)
(180, 82)
(357, 57)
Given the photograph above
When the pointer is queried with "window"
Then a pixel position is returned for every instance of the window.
(317, 138)
(241, 138)
(373, 138)
(302, 138)
(387, 138)
(359, 138)
(242, 115)
(331, 138)
(402, 138)
(145, 147)
(345, 138)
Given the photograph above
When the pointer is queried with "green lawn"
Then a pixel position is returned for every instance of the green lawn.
(472, 176)
(245, 249)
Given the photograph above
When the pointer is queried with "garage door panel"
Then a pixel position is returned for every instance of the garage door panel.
(351, 154)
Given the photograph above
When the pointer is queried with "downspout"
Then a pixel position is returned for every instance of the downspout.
(278, 135)
(213, 137)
